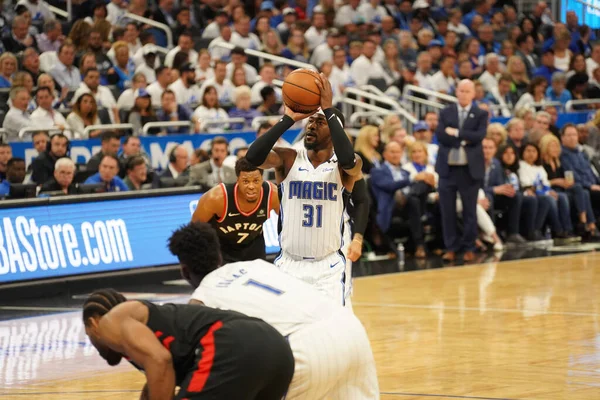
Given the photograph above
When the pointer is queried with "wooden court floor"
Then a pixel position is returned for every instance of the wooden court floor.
(526, 329)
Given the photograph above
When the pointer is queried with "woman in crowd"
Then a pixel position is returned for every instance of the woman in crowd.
(527, 114)
(552, 208)
(79, 35)
(562, 54)
(366, 145)
(8, 66)
(126, 100)
(550, 150)
(497, 133)
(210, 111)
(391, 63)
(507, 50)
(424, 181)
(518, 72)
(238, 77)
(243, 109)
(407, 50)
(536, 93)
(577, 65)
(124, 66)
(88, 60)
(271, 44)
(60, 99)
(142, 113)
(450, 42)
(528, 26)
(296, 48)
(472, 48)
(203, 70)
(84, 114)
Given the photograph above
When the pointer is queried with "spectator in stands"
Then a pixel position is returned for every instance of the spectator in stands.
(137, 173)
(269, 105)
(43, 165)
(392, 64)
(444, 81)
(5, 155)
(472, 48)
(239, 77)
(165, 13)
(243, 108)
(324, 51)
(239, 60)
(541, 127)
(547, 68)
(528, 116)
(556, 92)
(213, 172)
(485, 33)
(242, 36)
(127, 97)
(64, 72)
(116, 12)
(39, 10)
(8, 66)
(577, 66)
(198, 156)
(203, 70)
(142, 113)
(107, 175)
(491, 75)
(19, 37)
(15, 174)
(62, 180)
(365, 68)
(99, 13)
(267, 75)
(366, 145)
(592, 138)
(31, 63)
(185, 88)
(217, 52)
(109, 145)
(44, 115)
(593, 62)
(503, 97)
(284, 28)
(156, 89)
(497, 133)
(562, 54)
(103, 62)
(271, 44)
(572, 159)
(124, 66)
(407, 47)
(317, 33)
(536, 93)
(178, 163)
(583, 132)
(209, 111)
(103, 96)
(23, 79)
(184, 23)
(40, 141)
(132, 147)
(422, 132)
(171, 111)
(516, 69)
(341, 74)
(213, 29)
(79, 35)
(146, 67)
(84, 114)
(550, 150)
(185, 44)
(17, 116)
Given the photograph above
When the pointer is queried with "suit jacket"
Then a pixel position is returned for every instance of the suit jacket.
(530, 66)
(384, 187)
(11, 45)
(472, 132)
(201, 174)
(496, 177)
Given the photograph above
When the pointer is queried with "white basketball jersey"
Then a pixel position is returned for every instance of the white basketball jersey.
(312, 208)
(259, 289)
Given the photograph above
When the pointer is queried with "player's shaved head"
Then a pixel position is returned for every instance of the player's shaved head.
(196, 245)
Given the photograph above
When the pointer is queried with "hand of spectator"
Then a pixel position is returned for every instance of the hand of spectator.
(452, 131)
(595, 188)
(420, 176)
(296, 116)
(61, 38)
(553, 194)
(28, 41)
(429, 179)
(529, 192)
(64, 92)
(326, 92)
(485, 203)
(568, 184)
(505, 190)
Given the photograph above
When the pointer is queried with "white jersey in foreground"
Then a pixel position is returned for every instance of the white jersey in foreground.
(331, 348)
(312, 207)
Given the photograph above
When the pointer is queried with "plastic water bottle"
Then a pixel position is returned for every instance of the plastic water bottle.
(400, 251)
(514, 180)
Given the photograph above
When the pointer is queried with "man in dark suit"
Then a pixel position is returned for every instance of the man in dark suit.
(461, 169)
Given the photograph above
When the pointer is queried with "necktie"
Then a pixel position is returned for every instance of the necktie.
(462, 117)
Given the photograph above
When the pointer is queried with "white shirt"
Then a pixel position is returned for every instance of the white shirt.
(251, 74)
(14, 121)
(363, 69)
(126, 99)
(204, 114)
(217, 52)
(370, 12)
(489, 81)
(138, 58)
(104, 97)
(321, 54)
(45, 118)
(342, 76)
(460, 29)
(224, 91)
(156, 92)
(184, 95)
(114, 13)
(529, 174)
(256, 98)
(192, 56)
(591, 66)
(345, 14)
(412, 171)
(39, 11)
(147, 71)
(76, 126)
(211, 31)
(174, 172)
(439, 82)
(423, 79)
(249, 42)
(314, 38)
(202, 75)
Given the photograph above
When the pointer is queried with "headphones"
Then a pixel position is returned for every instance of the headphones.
(172, 156)
(62, 135)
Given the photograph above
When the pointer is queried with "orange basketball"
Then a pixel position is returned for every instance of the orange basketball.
(300, 92)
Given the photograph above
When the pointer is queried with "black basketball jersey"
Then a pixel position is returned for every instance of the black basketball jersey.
(181, 328)
(240, 233)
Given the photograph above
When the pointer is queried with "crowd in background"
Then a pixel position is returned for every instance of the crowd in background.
(106, 67)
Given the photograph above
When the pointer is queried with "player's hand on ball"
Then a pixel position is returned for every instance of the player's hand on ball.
(355, 250)
(326, 92)
(296, 116)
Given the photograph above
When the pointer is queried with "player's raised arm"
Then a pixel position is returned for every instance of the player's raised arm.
(260, 152)
(350, 163)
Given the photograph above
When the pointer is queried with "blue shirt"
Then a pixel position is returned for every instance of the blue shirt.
(116, 185)
(4, 188)
(545, 72)
(468, 18)
(183, 114)
(4, 83)
(574, 160)
(563, 98)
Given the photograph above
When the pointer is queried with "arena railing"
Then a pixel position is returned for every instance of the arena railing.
(155, 24)
(104, 127)
(259, 120)
(376, 115)
(432, 94)
(227, 121)
(28, 129)
(271, 57)
(407, 118)
(58, 11)
(167, 124)
(569, 106)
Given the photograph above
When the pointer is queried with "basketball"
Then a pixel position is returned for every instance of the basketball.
(300, 92)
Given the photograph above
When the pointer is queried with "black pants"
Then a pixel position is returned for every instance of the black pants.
(246, 359)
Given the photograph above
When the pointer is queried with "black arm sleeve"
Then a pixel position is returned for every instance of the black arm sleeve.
(259, 150)
(360, 199)
(341, 144)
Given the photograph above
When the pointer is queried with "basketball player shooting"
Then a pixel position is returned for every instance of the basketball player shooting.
(208, 353)
(237, 212)
(331, 349)
(316, 182)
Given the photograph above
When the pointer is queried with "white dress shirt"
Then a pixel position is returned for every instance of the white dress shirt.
(321, 54)
(370, 12)
(43, 118)
(217, 52)
(249, 42)
(126, 100)
(345, 14)
(192, 56)
(156, 92)
(314, 38)
(204, 114)
(440, 82)
(363, 69)
(256, 98)
(184, 95)
(147, 71)
(14, 121)
(66, 77)
(489, 81)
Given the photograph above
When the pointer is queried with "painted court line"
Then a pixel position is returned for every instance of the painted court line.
(455, 308)
(32, 308)
(447, 396)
